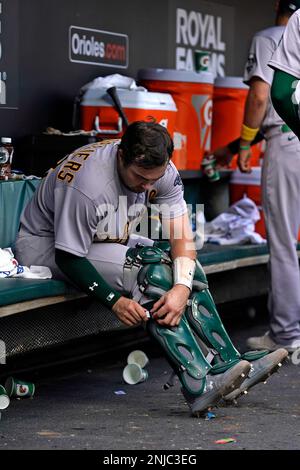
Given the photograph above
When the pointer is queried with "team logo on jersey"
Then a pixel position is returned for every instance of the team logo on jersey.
(152, 195)
(252, 61)
(178, 181)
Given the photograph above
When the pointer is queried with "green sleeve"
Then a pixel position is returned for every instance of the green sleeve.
(282, 94)
(83, 274)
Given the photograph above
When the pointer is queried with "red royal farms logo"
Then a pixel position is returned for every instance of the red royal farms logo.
(96, 47)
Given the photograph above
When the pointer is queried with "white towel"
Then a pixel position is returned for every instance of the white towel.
(236, 226)
(9, 267)
(117, 80)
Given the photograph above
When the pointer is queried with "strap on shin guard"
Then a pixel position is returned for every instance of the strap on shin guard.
(204, 319)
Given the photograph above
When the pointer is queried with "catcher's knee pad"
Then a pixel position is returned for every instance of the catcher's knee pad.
(163, 245)
(151, 269)
(147, 267)
(204, 320)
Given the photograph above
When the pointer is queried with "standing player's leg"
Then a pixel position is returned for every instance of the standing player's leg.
(281, 201)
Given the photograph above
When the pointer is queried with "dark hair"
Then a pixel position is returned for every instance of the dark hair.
(288, 7)
(146, 144)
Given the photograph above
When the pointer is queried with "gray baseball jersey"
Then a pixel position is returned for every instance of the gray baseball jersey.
(286, 57)
(262, 48)
(83, 200)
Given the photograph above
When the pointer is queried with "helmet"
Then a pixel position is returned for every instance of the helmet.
(287, 6)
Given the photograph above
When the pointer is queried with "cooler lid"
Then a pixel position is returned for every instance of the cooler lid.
(172, 75)
(231, 82)
(247, 179)
(130, 99)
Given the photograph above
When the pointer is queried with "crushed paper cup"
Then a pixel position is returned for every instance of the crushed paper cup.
(134, 374)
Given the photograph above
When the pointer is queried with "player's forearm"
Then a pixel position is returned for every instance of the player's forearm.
(184, 247)
(181, 238)
(255, 109)
(282, 94)
(83, 274)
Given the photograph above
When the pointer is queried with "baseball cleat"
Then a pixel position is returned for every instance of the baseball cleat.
(217, 387)
(260, 371)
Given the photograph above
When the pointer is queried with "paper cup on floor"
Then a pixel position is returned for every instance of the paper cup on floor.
(4, 399)
(134, 374)
(138, 357)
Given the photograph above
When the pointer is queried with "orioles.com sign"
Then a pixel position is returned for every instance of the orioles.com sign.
(96, 47)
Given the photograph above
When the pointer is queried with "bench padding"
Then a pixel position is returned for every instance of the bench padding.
(19, 290)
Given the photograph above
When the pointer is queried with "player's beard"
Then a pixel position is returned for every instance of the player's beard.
(134, 189)
(138, 190)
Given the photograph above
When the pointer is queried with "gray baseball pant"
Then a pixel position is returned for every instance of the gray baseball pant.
(107, 258)
(281, 205)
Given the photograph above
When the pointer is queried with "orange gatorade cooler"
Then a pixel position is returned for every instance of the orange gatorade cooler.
(248, 184)
(97, 110)
(192, 93)
(230, 94)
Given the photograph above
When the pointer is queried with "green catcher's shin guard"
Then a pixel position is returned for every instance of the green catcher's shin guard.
(204, 319)
(206, 324)
(183, 354)
(201, 390)
(150, 269)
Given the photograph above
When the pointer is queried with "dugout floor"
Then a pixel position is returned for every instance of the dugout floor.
(77, 408)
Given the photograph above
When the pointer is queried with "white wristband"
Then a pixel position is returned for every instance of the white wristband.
(183, 271)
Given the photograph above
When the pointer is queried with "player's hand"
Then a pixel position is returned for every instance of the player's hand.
(168, 310)
(129, 312)
(223, 157)
(244, 163)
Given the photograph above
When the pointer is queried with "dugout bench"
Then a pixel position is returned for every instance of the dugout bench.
(35, 314)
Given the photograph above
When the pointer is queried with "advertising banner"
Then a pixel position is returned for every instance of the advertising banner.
(97, 47)
(203, 36)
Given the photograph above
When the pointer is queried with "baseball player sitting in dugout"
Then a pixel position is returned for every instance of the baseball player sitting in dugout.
(79, 224)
